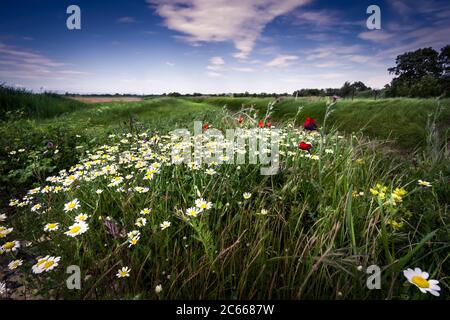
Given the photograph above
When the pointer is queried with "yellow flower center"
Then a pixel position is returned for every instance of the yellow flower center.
(51, 225)
(420, 282)
(41, 261)
(75, 229)
(48, 264)
(192, 213)
(8, 245)
(71, 206)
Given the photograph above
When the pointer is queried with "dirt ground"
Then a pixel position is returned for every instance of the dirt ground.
(106, 99)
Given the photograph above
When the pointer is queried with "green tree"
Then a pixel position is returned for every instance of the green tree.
(346, 90)
(360, 86)
(427, 87)
(444, 60)
(412, 66)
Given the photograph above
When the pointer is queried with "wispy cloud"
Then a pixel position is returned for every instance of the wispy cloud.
(321, 18)
(330, 50)
(282, 61)
(126, 19)
(217, 61)
(216, 64)
(21, 63)
(243, 69)
(240, 22)
(27, 57)
(375, 35)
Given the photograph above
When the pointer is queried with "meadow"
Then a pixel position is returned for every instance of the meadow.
(104, 187)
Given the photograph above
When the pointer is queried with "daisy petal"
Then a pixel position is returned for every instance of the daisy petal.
(434, 293)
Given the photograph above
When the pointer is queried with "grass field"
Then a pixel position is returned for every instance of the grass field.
(122, 200)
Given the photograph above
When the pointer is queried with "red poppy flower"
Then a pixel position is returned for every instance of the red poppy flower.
(206, 126)
(304, 146)
(268, 124)
(241, 119)
(310, 124)
(261, 124)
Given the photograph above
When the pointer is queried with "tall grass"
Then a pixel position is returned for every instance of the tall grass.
(318, 230)
(322, 229)
(15, 102)
(402, 121)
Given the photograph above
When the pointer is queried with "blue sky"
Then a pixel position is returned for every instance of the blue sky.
(210, 46)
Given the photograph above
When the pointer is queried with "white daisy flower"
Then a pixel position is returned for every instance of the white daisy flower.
(51, 226)
(82, 217)
(5, 231)
(247, 195)
(133, 241)
(141, 189)
(146, 211)
(15, 264)
(10, 246)
(123, 273)
(45, 264)
(36, 207)
(77, 229)
(419, 278)
(192, 212)
(424, 183)
(158, 289)
(72, 205)
(133, 234)
(34, 191)
(203, 204)
(2, 217)
(140, 222)
(165, 225)
(116, 181)
(263, 212)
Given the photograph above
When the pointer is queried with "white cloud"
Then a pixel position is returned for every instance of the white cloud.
(170, 64)
(358, 58)
(244, 69)
(281, 61)
(321, 18)
(335, 50)
(216, 64)
(241, 22)
(217, 61)
(375, 35)
(21, 63)
(27, 57)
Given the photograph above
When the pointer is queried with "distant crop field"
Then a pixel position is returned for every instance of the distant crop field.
(106, 99)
